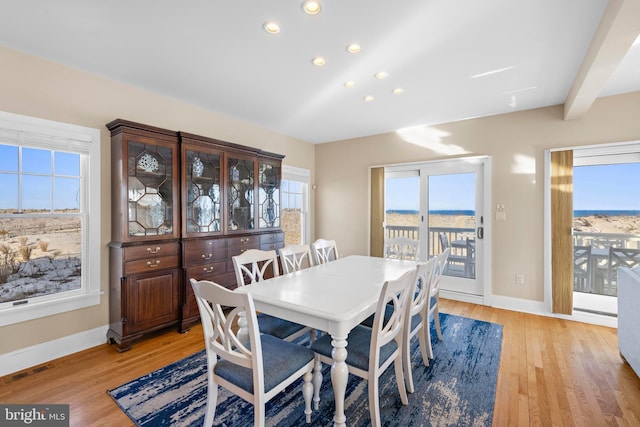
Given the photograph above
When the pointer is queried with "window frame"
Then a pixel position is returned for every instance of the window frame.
(291, 173)
(50, 135)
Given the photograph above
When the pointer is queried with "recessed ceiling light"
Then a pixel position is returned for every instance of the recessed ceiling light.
(271, 27)
(381, 75)
(349, 84)
(318, 60)
(311, 7)
(398, 91)
(354, 48)
(368, 98)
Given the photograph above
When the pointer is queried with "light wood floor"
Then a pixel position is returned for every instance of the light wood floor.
(552, 373)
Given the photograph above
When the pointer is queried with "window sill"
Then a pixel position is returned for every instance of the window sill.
(36, 310)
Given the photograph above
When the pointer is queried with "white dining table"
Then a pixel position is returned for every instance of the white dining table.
(334, 298)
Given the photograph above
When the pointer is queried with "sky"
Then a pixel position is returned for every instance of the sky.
(446, 192)
(601, 187)
(607, 187)
(47, 181)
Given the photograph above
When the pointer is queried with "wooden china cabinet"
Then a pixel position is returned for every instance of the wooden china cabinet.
(182, 206)
(221, 216)
(144, 252)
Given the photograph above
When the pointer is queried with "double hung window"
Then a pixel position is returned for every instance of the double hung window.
(49, 217)
(295, 205)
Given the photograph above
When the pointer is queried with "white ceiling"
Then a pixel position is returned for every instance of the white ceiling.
(455, 59)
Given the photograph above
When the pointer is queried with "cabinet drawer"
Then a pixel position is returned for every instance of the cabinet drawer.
(237, 245)
(151, 264)
(153, 250)
(271, 238)
(198, 252)
(235, 242)
(271, 246)
(206, 272)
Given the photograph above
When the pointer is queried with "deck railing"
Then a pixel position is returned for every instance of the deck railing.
(602, 278)
(631, 241)
(412, 232)
(598, 274)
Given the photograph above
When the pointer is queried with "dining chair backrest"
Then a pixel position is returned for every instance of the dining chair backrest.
(444, 240)
(622, 257)
(254, 266)
(295, 257)
(218, 326)
(417, 318)
(236, 362)
(441, 263)
(424, 282)
(581, 268)
(325, 251)
(470, 264)
(434, 298)
(402, 248)
(396, 293)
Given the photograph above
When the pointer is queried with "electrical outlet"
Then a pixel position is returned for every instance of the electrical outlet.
(520, 279)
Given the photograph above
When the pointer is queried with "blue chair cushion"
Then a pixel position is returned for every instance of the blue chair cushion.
(358, 346)
(277, 327)
(280, 360)
(388, 311)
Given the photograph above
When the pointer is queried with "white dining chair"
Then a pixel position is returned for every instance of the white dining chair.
(253, 266)
(402, 248)
(581, 268)
(620, 257)
(255, 370)
(295, 257)
(417, 319)
(370, 351)
(325, 251)
(434, 299)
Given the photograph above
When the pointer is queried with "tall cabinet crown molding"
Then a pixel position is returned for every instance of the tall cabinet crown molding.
(182, 206)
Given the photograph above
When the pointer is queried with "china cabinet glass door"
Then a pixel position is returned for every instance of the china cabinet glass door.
(202, 192)
(150, 193)
(268, 195)
(240, 193)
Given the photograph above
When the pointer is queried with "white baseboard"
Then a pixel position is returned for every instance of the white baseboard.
(459, 296)
(41, 353)
(539, 308)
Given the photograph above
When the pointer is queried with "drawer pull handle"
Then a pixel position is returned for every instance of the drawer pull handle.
(153, 251)
(153, 263)
(207, 269)
(207, 256)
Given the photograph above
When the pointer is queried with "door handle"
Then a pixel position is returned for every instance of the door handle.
(480, 233)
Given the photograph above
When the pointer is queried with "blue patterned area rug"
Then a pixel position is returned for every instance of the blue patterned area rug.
(457, 389)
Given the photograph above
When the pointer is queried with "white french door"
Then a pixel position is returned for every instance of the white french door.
(602, 177)
(441, 204)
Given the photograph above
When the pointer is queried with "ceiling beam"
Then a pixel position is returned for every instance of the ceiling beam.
(618, 29)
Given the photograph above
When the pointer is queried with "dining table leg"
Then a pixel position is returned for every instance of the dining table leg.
(339, 378)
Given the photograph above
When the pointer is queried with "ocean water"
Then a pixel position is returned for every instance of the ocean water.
(578, 213)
